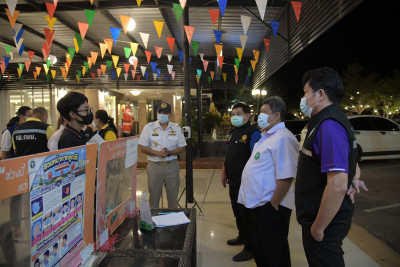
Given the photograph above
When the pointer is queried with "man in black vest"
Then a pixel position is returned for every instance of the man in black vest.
(31, 136)
(326, 169)
(239, 145)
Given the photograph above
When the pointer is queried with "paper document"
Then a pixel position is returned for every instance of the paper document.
(171, 219)
(96, 139)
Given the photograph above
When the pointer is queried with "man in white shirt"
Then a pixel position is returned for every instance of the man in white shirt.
(266, 188)
(162, 140)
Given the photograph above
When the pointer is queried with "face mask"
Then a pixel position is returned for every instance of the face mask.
(86, 120)
(263, 121)
(306, 109)
(162, 118)
(237, 121)
(94, 124)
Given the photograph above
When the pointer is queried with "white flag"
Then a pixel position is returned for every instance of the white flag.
(261, 5)
(243, 40)
(169, 57)
(169, 68)
(126, 76)
(145, 38)
(143, 68)
(245, 23)
(11, 4)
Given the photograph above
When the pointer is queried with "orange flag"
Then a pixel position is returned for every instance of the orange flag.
(218, 49)
(38, 69)
(103, 68)
(109, 43)
(212, 75)
(236, 69)
(171, 42)
(83, 27)
(12, 18)
(197, 78)
(126, 65)
(148, 56)
(189, 32)
(94, 56)
(297, 8)
(64, 73)
(256, 54)
(253, 64)
(89, 59)
(158, 51)
(125, 21)
(220, 61)
(35, 75)
(103, 49)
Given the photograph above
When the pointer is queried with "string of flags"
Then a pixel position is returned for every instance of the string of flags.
(130, 52)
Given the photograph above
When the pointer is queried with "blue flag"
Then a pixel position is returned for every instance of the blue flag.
(113, 74)
(146, 75)
(158, 72)
(115, 33)
(218, 35)
(274, 26)
(153, 66)
(180, 54)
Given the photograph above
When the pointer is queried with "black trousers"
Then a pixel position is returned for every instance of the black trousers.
(329, 251)
(240, 212)
(269, 232)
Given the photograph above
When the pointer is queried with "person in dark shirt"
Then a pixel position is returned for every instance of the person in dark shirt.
(75, 109)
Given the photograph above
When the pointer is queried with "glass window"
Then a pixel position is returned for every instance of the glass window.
(382, 124)
(361, 124)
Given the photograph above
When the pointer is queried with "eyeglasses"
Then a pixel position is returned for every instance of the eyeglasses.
(88, 110)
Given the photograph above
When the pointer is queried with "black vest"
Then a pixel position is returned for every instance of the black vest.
(104, 131)
(310, 182)
(238, 152)
(30, 138)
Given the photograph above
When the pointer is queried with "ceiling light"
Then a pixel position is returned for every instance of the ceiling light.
(53, 59)
(131, 59)
(178, 97)
(131, 25)
(136, 92)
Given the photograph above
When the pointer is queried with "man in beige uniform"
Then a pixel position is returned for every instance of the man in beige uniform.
(162, 140)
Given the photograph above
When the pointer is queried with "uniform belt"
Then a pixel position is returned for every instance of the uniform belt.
(163, 163)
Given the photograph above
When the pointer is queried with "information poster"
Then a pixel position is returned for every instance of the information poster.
(57, 193)
(116, 185)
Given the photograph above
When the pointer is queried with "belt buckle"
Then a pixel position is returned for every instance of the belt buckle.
(163, 163)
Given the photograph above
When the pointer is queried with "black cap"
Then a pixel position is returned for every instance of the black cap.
(164, 106)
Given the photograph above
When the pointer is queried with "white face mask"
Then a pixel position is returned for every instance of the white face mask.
(263, 121)
(306, 109)
(162, 118)
(94, 124)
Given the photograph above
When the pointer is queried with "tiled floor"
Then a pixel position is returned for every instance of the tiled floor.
(216, 224)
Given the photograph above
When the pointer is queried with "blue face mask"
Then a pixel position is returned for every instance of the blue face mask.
(237, 121)
(162, 118)
(263, 121)
(306, 109)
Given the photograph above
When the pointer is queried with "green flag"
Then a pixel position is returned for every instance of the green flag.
(21, 66)
(48, 78)
(178, 11)
(22, 78)
(249, 71)
(48, 63)
(128, 51)
(237, 62)
(71, 52)
(79, 39)
(109, 64)
(8, 49)
(86, 65)
(209, 79)
(89, 16)
(195, 46)
(79, 73)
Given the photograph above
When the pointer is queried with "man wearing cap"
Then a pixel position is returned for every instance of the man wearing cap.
(162, 140)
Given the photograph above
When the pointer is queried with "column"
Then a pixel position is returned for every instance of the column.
(142, 114)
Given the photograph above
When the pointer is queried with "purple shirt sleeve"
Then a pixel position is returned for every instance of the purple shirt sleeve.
(331, 146)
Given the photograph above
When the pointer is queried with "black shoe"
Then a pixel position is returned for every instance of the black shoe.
(243, 255)
(235, 242)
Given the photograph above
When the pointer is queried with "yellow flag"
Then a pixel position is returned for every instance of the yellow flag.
(50, 22)
(159, 26)
(224, 75)
(46, 69)
(239, 51)
(77, 77)
(138, 2)
(76, 45)
(53, 73)
(256, 54)
(134, 47)
(115, 60)
(236, 69)
(19, 73)
(118, 71)
(83, 70)
(103, 49)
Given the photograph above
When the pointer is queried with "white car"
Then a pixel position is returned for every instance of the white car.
(377, 137)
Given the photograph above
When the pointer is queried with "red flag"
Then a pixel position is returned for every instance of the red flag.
(31, 54)
(220, 61)
(98, 72)
(49, 35)
(158, 51)
(148, 56)
(93, 75)
(138, 77)
(189, 32)
(133, 74)
(267, 42)
(126, 67)
(83, 27)
(214, 14)
(171, 42)
(297, 8)
(50, 9)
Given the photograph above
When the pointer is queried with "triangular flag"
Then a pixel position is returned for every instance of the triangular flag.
(53, 73)
(253, 64)
(115, 60)
(197, 78)
(237, 62)
(199, 72)
(27, 65)
(134, 63)
(19, 72)
(38, 69)
(103, 49)
(180, 55)
(77, 77)
(236, 78)
(11, 4)
(243, 39)
(71, 52)
(125, 21)
(143, 69)
(274, 26)
(93, 74)
(83, 27)
(50, 21)
(222, 6)
(31, 54)
(89, 60)
(134, 47)
(55, 2)
(245, 23)
(170, 67)
(145, 38)
(146, 75)
(218, 49)
(148, 56)
(256, 54)
(113, 74)
(159, 26)
(195, 46)
(267, 43)
(239, 52)
(183, 3)
(8, 49)
(86, 66)
(158, 51)
(126, 76)
(220, 61)
(109, 64)
(158, 72)
(133, 73)
(214, 14)
(46, 68)
(166, 77)
(248, 71)
(127, 65)
(236, 68)
(21, 66)
(21, 49)
(224, 76)
(17, 28)
(76, 45)
(127, 51)
(155, 76)
(218, 35)
(169, 57)
(12, 18)
(35, 75)
(49, 35)
(205, 65)
(189, 32)
(79, 40)
(109, 44)
(138, 76)
(261, 5)
(171, 42)
(247, 80)
(212, 75)
(138, 2)
(118, 71)
(178, 10)
(99, 73)
(90, 16)
(63, 73)
(209, 79)
(296, 8)
(48, 63)
(115, 34)
(50, 9)
(173, 75)
(153, 66)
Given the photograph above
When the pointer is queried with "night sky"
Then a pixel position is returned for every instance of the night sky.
(369, 35)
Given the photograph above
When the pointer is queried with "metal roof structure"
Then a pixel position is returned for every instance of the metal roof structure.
(70, 12)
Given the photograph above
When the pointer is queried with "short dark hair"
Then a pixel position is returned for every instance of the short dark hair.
(40, 111)
(55, 245)
(325, 78)
(65, 237)
(21, 112)
(70, 102)
(244, 106)
(276, 104)
(47, 253)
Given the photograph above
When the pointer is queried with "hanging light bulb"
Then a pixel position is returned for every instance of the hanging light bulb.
(131, 25)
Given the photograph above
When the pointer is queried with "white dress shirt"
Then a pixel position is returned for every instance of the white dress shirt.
(52, 144)
(156, 138)
(274, 157)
